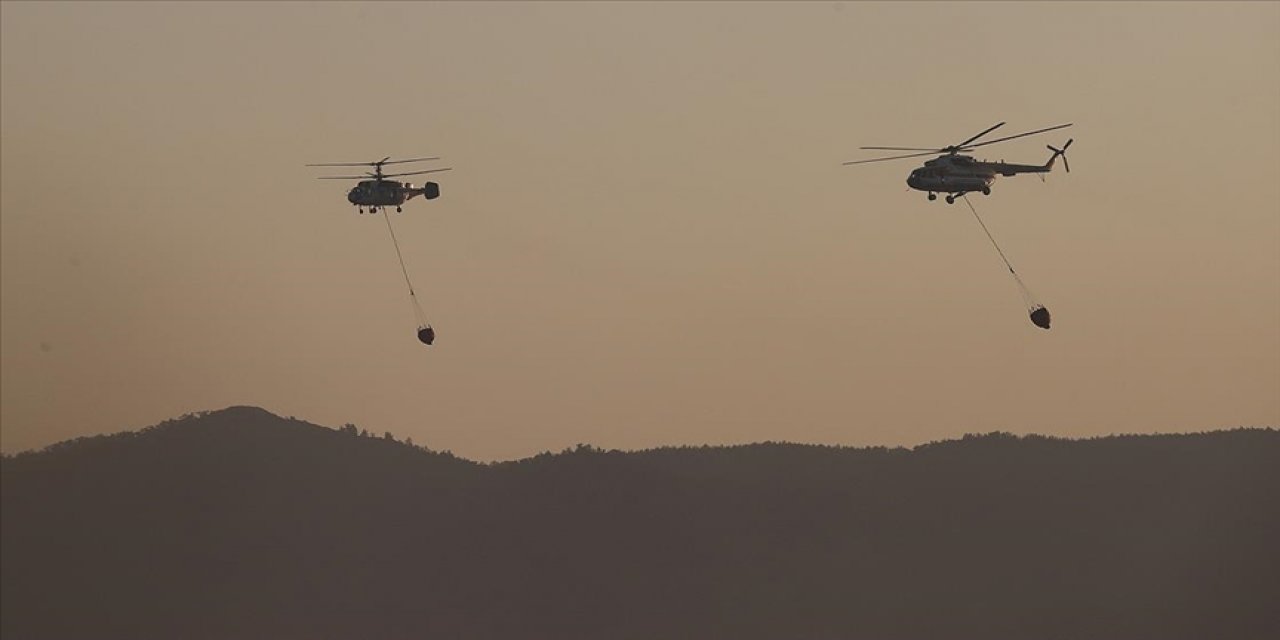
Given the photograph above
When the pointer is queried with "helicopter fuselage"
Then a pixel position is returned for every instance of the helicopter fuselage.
(389, 193)
(963, 174)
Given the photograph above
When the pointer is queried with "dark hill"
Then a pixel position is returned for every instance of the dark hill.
(241, 524)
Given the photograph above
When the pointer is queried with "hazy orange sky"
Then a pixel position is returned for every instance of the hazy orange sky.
(648, 237)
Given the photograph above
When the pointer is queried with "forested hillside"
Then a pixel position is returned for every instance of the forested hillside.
(241, 524)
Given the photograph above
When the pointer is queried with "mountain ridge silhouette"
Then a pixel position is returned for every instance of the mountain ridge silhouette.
(239, 523)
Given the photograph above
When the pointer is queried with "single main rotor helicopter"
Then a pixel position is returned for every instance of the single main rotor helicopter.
(956, 175)
(381, 192)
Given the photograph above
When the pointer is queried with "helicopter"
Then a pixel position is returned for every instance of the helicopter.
(381, 192)
(955, 174)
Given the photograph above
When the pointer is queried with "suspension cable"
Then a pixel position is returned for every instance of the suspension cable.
(1027, 296)
(989, 237)
(417, 308)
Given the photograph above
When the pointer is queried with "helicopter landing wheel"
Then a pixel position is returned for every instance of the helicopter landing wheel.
(951, 199)
(398, 210)
(933, 196)
(986, 191)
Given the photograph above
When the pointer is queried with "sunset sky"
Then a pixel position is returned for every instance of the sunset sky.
(648, 237)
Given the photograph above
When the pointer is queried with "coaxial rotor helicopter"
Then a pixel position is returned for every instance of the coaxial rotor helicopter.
(381, 192)
(955, 174)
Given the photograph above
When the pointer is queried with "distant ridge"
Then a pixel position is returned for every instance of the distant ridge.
(254, 424)
(238, 523)
(242, 418)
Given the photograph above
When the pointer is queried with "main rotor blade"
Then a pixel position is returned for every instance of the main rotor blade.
(910, 155)
(414, 173)
(386, 160)
(903, 149)
(1029, 133)
(409, 160)
(966, 142)
(342, 177)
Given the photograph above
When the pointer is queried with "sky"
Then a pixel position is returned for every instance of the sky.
(647, 237)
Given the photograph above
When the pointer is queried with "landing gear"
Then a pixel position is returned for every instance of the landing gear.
(951, 199)
(398, 210)
(986, 191)
(932, 197)
(361, 210)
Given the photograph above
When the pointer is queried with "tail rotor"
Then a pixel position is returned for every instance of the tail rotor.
(1062, 152)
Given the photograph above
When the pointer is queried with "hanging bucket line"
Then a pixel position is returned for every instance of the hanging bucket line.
(1027, 297)
(413, 298)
